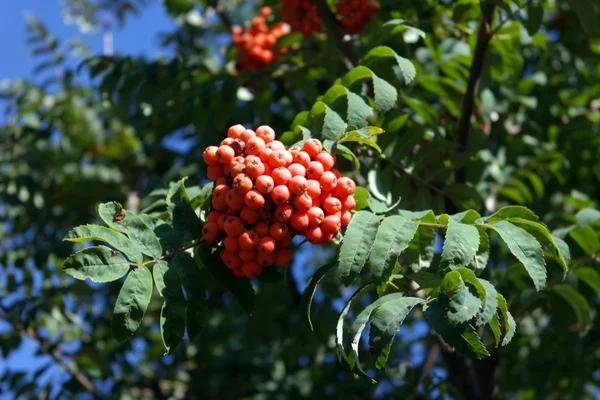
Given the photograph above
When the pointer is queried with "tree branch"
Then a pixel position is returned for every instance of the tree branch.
(484, 36)
(337, 31)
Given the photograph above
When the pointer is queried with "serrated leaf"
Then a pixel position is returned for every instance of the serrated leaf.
(385, 323)
(451, 283)
(489, 305)
(360, 196)
(393, 237)
(507, 323)
(360, 139)
(525, 248)
(383, 52)
(469, 277)
(460, 245)
(495, 328)
(511, 212)
(462, 306)
(419, 253)
(578, 303)
(348, 155)
(466, 217)
(510, 333)
(339, 330)
(357, 243)
(396, 26)
(385, 94)
(483, 252)
(87, 233)
(563, 247)
(240, 288)
(589, 276)
(535, 15)
(587, 216)
(425, 279)
(133, 226)
(172, 313)
(309, 291)
(325, 123)
(586, 14)
(586, 238)
(543, 236)
(358, 110)
(132, 303)
(98, 263)
(196, 307)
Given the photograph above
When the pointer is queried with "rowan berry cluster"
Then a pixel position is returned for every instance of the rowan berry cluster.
(265, 194)
(256, 42)
(302, 16)
(355, 14)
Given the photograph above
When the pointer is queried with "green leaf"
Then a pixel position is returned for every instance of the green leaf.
(542, 235)
(196, 308)
(451, 283)
(506, 320)
(419, 253)
(360, 196)
(240, 288)
(460, 245)
(396, 26)
(425, 279)
(586, 238)
(577, 302)
(309, 291)
(535, 15)
(464, 196)
(185, 221)
(115, 216)
(386, 322)
(462, 306)
(586, 14)
(587, 216)
(339, 330)
(469, 277)
(86, 233)
(98, 263)
(357, 243)
(510, 332)
(325, 123)
(483, 252)
(385, 94)
(348, 155)
(525, 248)
(393, 237)
(132, 303)
(511, 212)
(489, 306)
(172, 313)
(382, 52)
(563, 247)
(495, 328)
(589, 276)
(466, 217)
(362, 140)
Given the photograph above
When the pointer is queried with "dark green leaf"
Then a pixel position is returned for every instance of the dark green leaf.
(425, 279)
(339, 330)
(86, 233)
(483, 251)
(460, 245)
(393, 237)
(511, 212)
(196, 307)
(172, 314)
(132, 303)
(99, 264)
(535, 15)
(589, 276)
(586, 238)
(489, 306)
(586, 14)
(577, 302)
(419, 253)
(185, 221)
(309, 291)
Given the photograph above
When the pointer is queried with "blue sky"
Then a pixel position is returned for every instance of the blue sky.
(137, 37)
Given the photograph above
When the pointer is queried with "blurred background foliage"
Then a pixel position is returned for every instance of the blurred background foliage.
(90, 128)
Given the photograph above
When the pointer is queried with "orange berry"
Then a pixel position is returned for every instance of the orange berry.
(314, 170)
(249, 215)
(348, 203)
(214, 171)
(210, 155)
(248, 255)
(345, 220)
(235, 168)
(326, 159)
(247, 135)
(266, 245)
(232, 261)
(213, 216)
(221, 181)
(298, 185)
(266, 260)
(280, 194)
(303, 202)
(345, 187)
(233, 226)
(336, 173)
(266, 133)
(283, 257)
(313, 188)
(242, 183)
(283, 212)
(265, 184)
(254, 167)
(279, 158)
(294, 150)
(297, 169)
(276, 145)
(252, 269)
(302, 158)
(235, 131)
(331, 224)
(226, 142)
(299, 221)
(210, 232)
(262, 229)
(328, 181)
(267, 210)
(231, 244)
(239, 273)
(235, 200)
(332, 205)
(279, 230)
(248, 240)
(312, 147)
(254, 199)
(254, 146)
(315, 216)
(265, 11)
(281, 176)
(286, 241)
(314, 234)
(265, 154)
(327, 237)
(221, 221)
(225, 154)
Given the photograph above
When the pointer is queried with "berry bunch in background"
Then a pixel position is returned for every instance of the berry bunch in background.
(355, 14)
(302, 16)
(265, 194)
(256, 43)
